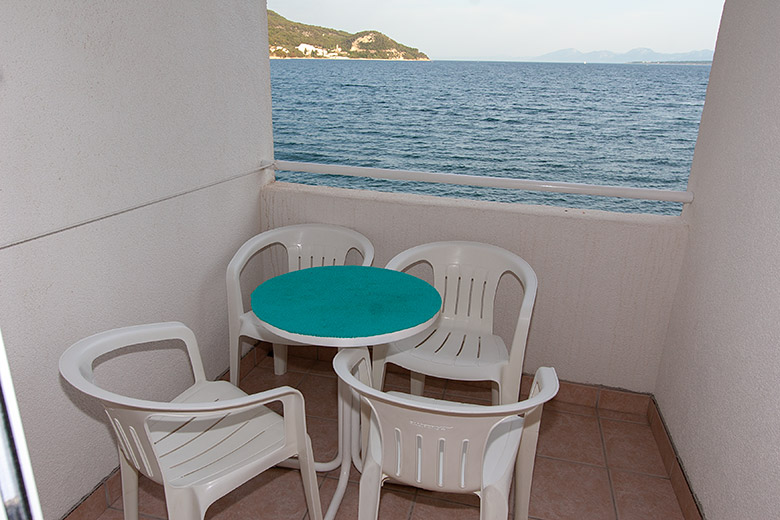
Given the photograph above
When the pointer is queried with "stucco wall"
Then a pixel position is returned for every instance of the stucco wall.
(606, 280)
(718, 383)
(130, 132)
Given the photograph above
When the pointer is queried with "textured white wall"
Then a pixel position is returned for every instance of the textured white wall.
(108, 107)
(718, 383)
(606, 280)
(110, 103)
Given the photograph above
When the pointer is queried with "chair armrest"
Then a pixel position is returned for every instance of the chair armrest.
(234, 269)
(286, 394)
(76, 362)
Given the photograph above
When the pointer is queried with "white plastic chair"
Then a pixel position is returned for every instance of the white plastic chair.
(461, 345)
(204, 443)
(445, 446)
(307, 245)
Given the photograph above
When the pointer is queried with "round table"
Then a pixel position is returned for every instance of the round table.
(345, 306)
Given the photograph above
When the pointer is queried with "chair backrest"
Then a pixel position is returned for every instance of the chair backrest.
(433, 444)
(466, 274)
(308, 245)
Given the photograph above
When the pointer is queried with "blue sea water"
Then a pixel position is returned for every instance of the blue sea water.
(620, 125)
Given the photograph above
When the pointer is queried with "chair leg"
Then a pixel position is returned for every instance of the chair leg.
(129, 488)
(235, 360)
(310, 489)
(524, 464)
(493, 505)
(417, 383)
(369, 490)
(184, 504)
(522, 493)
(280, 359)
(378, 366)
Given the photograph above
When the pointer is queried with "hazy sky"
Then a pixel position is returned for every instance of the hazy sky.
(495, 29)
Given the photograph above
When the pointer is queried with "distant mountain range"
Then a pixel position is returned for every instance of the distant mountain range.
(288, 39)
(635, 55)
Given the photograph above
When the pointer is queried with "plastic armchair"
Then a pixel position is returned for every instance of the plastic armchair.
(206, 442)
(307, 245)
(445, 446)
(461, 344)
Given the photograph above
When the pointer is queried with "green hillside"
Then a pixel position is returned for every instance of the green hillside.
(288, 39)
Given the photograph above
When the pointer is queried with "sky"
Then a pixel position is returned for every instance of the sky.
(513, 29)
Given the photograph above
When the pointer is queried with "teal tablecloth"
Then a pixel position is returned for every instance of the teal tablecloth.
(345, 301)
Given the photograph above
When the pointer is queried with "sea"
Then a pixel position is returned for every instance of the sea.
(609, 124)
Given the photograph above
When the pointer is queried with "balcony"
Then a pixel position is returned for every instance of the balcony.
(602, 454)
(135, 162)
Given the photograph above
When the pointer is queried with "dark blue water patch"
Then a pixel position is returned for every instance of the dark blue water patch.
(627, 125)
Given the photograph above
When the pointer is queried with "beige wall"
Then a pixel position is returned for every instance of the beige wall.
(718, 383)
(130, 132)
(606, 280)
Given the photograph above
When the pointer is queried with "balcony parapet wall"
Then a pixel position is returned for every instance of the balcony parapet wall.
(606, 280)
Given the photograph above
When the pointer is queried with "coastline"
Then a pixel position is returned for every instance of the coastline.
(343, 58)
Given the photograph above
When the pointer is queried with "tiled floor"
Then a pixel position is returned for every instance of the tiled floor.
(592, 462)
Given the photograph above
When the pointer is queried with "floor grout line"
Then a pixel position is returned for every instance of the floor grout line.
(579, 462)
(609, 473)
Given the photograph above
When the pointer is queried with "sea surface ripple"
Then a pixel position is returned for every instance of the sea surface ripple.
(619, 125)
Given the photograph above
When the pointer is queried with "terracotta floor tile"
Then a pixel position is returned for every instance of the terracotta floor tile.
(354, 474)
(114, 486)
(427, 508)
(469, 499)
(275, 494)
(264, 358)
(113, 514)
(247, 363)
(393, 505)
(302, 352)
(525, 385)
(631, 446)
(480, 399)
(399, 379)
(623, 416)
(571, 437)
(151, 499)
(324, 437)
(624, 401)
(321, 396)
(557, 406)
(326, 353)
(564, 490)
(574, 393)
(435, 393)
(92, 507)
(642, 497)
(322, 368)
(260, 379)
(472, 389)
(299, 364)
(117, 514)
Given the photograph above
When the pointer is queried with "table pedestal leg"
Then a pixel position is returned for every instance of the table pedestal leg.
(345, 446)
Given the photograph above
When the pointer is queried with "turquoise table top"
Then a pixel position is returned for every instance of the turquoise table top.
(345, 306)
